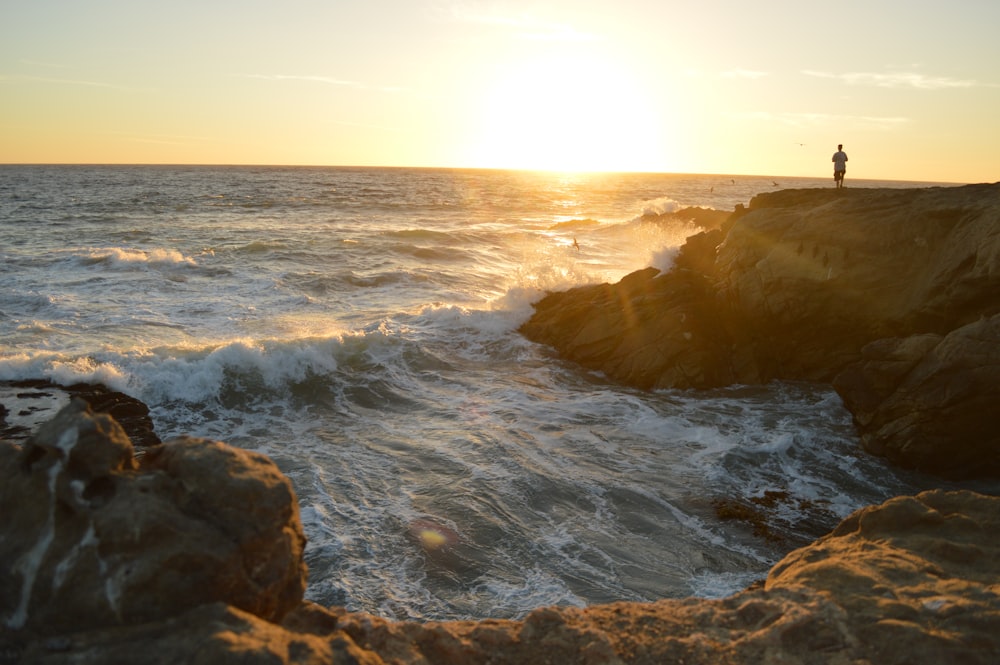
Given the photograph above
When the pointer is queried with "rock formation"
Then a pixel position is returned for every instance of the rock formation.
(889, 294)
(193, 554)
(93, 537)
(930, 400)
(26, 404)
(911, 581)
(191, 551)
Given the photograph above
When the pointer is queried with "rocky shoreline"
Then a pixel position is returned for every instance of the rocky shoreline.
(118, 548)
(192, 553)
(892, 296)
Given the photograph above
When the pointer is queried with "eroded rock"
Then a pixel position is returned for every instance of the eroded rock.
(916, 576)
(194, 555)
(794, 287)
(91, 538)
(26, 404)
(914, 398)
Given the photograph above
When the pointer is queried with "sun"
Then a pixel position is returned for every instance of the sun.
(567, 112)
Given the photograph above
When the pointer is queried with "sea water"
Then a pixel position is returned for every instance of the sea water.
(359, 326)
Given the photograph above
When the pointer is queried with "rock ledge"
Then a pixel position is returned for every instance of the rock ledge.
(890, 295)
(194, 555)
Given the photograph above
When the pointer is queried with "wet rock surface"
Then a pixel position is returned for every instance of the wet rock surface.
(94, 537)
(193, 554)
(889, 295)
(24, 405)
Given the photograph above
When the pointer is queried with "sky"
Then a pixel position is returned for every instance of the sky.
(911, 89)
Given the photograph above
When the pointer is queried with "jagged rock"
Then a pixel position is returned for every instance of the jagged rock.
(913, 397)
(748, 628)
(92, 539)
(811, 276)
(911, 581)
(705, 218)
(195, 556)
(211, 634)
(793, 288)
(916, 577)
(649, 330)
(28, 403)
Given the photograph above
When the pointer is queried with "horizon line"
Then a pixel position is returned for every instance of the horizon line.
(471, 168)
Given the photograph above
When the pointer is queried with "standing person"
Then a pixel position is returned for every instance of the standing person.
(839, 166)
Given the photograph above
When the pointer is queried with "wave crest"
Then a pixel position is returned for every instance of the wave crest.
(661, 206)
(119, 257)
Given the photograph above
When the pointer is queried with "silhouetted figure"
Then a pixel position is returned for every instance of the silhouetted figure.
(839, 166)
(576, 244)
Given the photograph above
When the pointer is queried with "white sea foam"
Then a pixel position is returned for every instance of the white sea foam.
(721, 585)
(535, 588)
(663, 259)
(360, 327)
(661, 206)
(61, 369)
(119, 257)
(192, 374)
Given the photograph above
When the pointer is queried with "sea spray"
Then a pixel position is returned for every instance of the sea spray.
(359, 326)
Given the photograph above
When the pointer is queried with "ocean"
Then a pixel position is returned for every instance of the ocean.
(359, 326)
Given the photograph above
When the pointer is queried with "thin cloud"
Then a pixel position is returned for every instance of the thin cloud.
(303, 77)
(325, 80)
(75, 82)
(810, 120)
(791, 119)
(897, 80)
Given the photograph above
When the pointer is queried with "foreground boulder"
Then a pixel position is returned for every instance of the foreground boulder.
(193, 554)
(795, 287)
(915, 577)
(94, 538)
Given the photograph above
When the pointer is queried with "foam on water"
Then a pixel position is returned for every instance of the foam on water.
(660, 206)
(61, 369)
(564, 490)
(117, 257)
(359, 326)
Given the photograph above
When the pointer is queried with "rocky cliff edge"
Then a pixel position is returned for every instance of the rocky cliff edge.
(891, 295)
